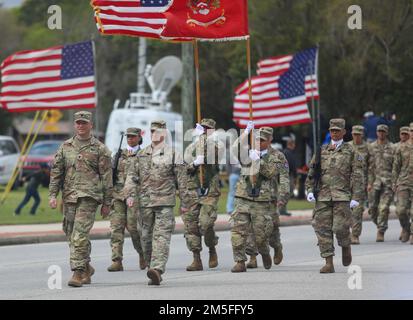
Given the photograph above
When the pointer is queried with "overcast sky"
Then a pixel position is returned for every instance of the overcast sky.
(11, 3)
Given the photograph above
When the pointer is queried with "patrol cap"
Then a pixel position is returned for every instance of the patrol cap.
(404, 130)
(383, 127)
(357, 130)
(133, 132)
(210, 123)
(337, 124)
(158, 124)
(265, 133)
(83, 116)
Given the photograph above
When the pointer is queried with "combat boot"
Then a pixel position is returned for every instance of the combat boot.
(116, 266)
(252, 264)
(404, 237)
(196, 264)
(329, 266)
(76, 280)
(142, 262)
(239, 267)
(380, 236)
(213, 258)
(155, 276)
(355, 240)
(87, 275)
(346, 256)
(266, 261)
(278, 256)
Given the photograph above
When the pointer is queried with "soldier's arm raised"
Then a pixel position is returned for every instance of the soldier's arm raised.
(57, 174)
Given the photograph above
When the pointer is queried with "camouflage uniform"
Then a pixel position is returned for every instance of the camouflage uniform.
(122, 217)
(189, 209)
(205, 214)
(402, 180)
(341, 180)
(404, 130)
(255, 214)
(280, 191)
(156, 173)
(357, 213)
(380, 178)
(82, 170)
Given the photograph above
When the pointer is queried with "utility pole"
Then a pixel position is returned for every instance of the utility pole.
(188, 88)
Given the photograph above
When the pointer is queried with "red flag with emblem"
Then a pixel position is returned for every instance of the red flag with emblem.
(207, 20)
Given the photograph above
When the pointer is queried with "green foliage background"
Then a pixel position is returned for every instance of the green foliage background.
(371, 69)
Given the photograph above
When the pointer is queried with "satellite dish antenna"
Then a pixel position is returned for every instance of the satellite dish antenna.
(164, 76)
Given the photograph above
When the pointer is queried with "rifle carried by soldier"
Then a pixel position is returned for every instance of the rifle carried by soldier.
(317, 171)
(116, 160)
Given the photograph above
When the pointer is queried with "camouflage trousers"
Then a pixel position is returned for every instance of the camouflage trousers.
(77, 222)
(121, 218)
(357, 218)
(404, 208)
(329, 218)
(157, 225)
(275, 237)
(379, 206)
(250, 217)
(199, 221)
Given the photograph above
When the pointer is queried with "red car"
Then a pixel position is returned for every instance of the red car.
(41, 152)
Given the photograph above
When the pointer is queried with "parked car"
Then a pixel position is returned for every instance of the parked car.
(41, 152)
(9, 155)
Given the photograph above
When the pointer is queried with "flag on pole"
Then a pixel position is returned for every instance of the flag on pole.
(61, 77)
(280, 92)
(179, 20)
(280, 65)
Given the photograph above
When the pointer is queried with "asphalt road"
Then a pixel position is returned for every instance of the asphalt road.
(386, 272)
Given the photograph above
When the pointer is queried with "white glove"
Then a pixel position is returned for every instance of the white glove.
(254, 155)
(199, 160)
(310, 197)
(250, 126)
(199, 130)
(353, 204)
(130, 202)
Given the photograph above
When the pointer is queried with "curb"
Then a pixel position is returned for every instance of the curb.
(101, 234)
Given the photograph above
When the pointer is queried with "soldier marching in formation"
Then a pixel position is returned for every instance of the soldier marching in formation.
(402, 182)
(357, 216)
(340, 182)
(122, 217)
(254, 197)
(155, 176)
(200, 217)
(82, 171)
(380, 180)
(140, 187)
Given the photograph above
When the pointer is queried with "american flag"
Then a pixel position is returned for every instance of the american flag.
(140, 18)
(61, 77)
(280, 91)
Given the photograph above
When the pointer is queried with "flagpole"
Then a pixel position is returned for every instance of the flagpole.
(198, 103)
(23, 154)
(253, 177)
(313, 111)
(96, 86)
(318, 89)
